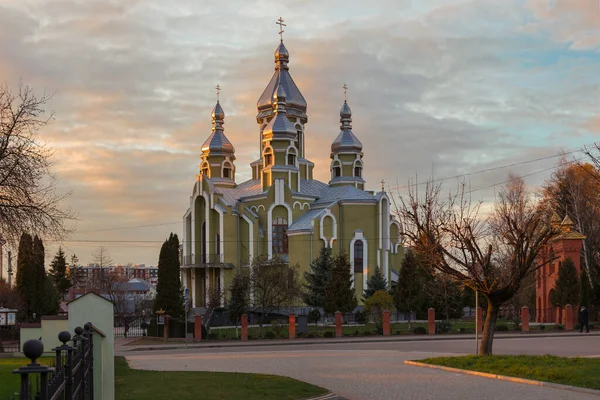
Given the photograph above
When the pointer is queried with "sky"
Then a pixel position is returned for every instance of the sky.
(437, 88)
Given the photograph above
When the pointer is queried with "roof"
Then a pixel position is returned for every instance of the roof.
(312, 187)
(134, 285)
(346, 140)
(218, 142)
(333, 194)
(89, 294)
(232, 195)
(304, 223)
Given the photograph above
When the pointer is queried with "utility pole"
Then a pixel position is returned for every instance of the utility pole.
(9, 268)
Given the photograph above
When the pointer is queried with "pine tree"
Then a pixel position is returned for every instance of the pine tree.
(567, 286)
(317, 279)
(58, 271)
(375, 283)
(239, 302)
(169, 295)
(40, 277)
(25, 282)
(339, 293)
(51, 304)
(408, 294)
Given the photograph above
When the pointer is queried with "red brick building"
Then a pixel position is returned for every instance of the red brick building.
(567, 244)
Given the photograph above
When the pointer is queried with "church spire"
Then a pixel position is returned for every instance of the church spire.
(346, 152)
(218, 154)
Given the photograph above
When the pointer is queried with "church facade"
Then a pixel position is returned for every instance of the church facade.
(283, 211)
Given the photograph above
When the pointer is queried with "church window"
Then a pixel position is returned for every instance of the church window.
(291, 157)
(358, 257)
(203, 242)
(268, 154)
(337, 172)
(226, 172)
(205, 170)
(280, 238)
(358, 171)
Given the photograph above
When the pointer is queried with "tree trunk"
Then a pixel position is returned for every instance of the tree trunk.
(260, 324)
(409, 323)
(489, 327)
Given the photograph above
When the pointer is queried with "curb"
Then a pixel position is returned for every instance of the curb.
(308, 342)
(505, 378)
(328, 396)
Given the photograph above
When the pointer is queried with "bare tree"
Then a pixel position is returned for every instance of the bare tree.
(492, 255)
(129, 305)
(275, 284)
(102, 257)
(28, 198)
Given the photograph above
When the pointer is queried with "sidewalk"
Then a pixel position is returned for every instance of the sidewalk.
(121, 345)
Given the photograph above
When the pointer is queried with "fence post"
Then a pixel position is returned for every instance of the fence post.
(386, 323)
(292, 326)
(244, 327)
(64, 337)
(198, 327)
(431, 321)
(338, 324)
(525, 319)
(479, 319)
(569, 317)
(33, 349)
(90, 336)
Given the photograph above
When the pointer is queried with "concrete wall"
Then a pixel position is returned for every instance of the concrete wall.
(99, 311)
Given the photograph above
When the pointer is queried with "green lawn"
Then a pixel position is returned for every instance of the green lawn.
(583, 372)
(9, 382)
(134, 384)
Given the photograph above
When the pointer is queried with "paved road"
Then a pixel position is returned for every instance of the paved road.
(364, 371)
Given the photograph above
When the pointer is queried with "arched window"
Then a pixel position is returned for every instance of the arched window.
(205, 170)
(299, 137)
(358, 170)
(336, 170)
(291, 157)
(358, 257)
(268, 156)
(280, 238)
(227, 170)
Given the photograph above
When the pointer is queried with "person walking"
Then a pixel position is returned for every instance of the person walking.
(584, 319)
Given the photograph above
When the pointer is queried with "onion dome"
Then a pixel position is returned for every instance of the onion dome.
(280, 124)
(296, 104)
(217, 142)
(346, 140)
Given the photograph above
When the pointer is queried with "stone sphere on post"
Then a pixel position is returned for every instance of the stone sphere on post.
(33, 349)
(64, 337)
(88, 326)
(78, 330)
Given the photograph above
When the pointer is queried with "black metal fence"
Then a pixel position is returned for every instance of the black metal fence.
(130, 326)
(71, 377)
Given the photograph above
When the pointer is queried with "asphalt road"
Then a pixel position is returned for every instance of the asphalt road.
(362, 371)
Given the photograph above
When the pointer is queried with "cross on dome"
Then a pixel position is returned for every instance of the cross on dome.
(281, 25)
(218, 88)
(345, 89)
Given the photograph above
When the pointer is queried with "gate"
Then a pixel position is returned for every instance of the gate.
(71, 377)
(129, 326)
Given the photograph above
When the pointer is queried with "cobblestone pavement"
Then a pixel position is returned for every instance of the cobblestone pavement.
(375, 370)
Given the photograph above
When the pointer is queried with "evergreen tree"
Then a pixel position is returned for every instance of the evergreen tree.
(239, 302)
(169, 295)
(375, 283)
(58, 271)
(39, 277)
(25, 282)
(339, 293)
(408, 294)
(318, 278)
(51, 304)
(567, 286)
(585, 290)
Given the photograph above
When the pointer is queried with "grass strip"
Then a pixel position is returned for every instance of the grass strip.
(581, 372)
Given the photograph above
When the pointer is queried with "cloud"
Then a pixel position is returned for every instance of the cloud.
(448, 87)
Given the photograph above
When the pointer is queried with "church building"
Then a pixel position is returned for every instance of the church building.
(283, 211)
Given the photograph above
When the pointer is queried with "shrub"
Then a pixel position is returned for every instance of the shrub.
(213, 335)
(311, 336)
(518, 328)
(366, 333)
(501, 328)
(360, 317)
(278, 328)
(443, 327)
(559, 327)
(462, 330)
(420, 330)
(542, 327)
(356, 333)
(397, 332)
(328, 334)
(270, 335)
(314, 316)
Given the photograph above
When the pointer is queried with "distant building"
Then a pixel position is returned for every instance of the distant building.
(568, 244)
